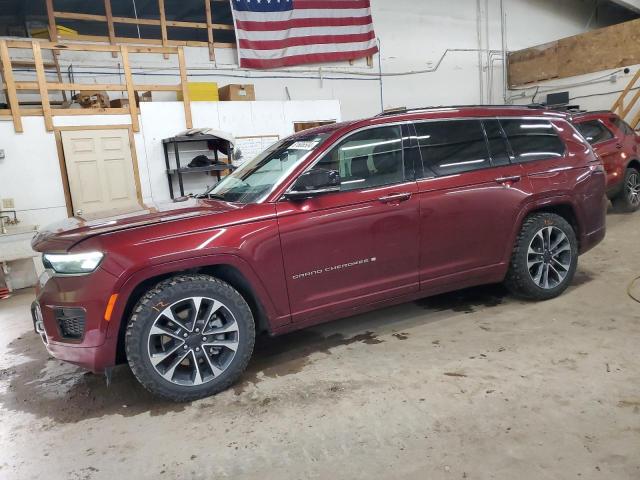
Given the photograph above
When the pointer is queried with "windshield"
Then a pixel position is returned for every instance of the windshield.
(255, 179)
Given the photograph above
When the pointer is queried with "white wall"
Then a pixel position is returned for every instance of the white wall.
(240, 118)
(30, 171)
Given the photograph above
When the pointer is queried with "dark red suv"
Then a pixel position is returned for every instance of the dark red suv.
(617, 144)
(324, 224)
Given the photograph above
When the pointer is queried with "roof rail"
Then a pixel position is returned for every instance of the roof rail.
(400, 110)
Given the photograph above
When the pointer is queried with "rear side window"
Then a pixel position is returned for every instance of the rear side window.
(532, 139)
(622, 125)
(454, 146)
(594, 131)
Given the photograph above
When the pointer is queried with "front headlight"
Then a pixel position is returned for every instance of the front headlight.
(73, 262)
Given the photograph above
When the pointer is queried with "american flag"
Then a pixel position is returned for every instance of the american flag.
(280, 33)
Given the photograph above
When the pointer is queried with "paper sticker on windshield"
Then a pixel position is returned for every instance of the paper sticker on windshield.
(303, 146)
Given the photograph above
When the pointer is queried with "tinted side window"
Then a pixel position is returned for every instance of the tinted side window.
(370, 158)
(497, 142)
(594, 131)
(622, 125)
(533, 139)
(454, 146)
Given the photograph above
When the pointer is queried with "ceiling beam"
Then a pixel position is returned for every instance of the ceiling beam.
(633, 5)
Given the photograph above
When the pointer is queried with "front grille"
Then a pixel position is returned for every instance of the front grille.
(70, 321)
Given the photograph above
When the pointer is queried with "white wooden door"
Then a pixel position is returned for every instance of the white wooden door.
(100, 170)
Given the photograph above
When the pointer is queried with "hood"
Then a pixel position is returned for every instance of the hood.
(61, 236)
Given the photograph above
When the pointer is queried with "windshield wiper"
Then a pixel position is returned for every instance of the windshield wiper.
(216, 196)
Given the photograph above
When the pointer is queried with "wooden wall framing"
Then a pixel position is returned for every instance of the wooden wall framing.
(162, 22)
(602, 49)
(11, 86)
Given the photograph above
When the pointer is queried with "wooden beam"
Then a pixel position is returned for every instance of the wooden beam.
(185, 89)
(80, 16)
(632, 103)
(163, 24)
(112, 32)
(212, 51)
(133, 108)
(139, 21)
(636, 120)
(620, 101)
(67, 112)
(53, 31)
(109, 87)
(85, 47)
(77, 47)
(42, 86)
(30, 63)
(12, 96)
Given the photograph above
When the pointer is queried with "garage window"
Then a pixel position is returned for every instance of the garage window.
(533, 139)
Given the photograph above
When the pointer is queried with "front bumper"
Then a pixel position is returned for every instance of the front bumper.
(90, 346)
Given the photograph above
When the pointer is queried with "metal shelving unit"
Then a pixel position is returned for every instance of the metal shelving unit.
(218, 167)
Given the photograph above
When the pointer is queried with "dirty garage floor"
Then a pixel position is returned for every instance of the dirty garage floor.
(469, 385)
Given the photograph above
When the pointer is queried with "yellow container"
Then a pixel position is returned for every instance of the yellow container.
(201, 92)
(64, 32)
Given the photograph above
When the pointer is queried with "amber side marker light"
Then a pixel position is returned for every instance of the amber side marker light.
(110, 304)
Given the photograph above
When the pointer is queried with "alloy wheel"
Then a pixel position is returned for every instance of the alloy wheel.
(632, 189)
(193, 341)
(549, 257)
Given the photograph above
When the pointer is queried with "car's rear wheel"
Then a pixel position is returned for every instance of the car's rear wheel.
(628, 200)
(189, 337)
(544, 259)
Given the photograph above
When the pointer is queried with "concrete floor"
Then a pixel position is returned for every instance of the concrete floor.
(470, 385)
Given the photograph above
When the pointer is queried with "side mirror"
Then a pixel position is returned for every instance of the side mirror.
(313, 183)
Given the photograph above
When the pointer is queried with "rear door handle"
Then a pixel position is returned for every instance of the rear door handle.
(618, 146)
(511, 179)
(395, 198)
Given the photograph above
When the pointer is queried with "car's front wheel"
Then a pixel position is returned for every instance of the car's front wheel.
(544, 258)
(628, 200)
(189, 337)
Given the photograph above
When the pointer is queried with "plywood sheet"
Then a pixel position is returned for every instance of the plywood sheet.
(594, 51)
(534, 64)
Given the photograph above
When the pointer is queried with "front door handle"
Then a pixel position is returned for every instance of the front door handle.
(395, 198)
(618, 146)
(511, 179)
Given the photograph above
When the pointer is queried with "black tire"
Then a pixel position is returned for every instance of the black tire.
(623, 201)
(167, 293)
(519, 279)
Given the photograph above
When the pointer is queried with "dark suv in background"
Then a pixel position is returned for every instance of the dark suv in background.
(617, 144)
(324, 224)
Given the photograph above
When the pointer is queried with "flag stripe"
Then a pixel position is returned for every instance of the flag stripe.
(246, 16)
(301, 49)
(303, 32)
(302, 23)
(308, 40)
(330, 5)
(305, 58)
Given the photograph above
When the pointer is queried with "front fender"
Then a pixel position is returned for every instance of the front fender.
(126, 286)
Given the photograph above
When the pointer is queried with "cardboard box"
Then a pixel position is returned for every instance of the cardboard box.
(119, 103)
(124, 102)
(235, 92)
(201, 92)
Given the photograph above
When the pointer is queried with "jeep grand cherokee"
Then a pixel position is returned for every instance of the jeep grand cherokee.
(324, 224)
